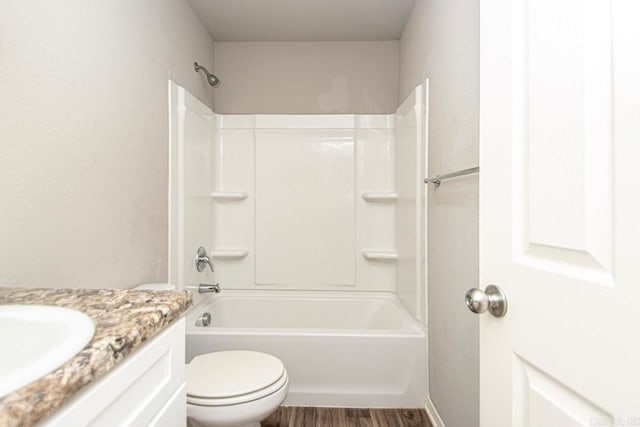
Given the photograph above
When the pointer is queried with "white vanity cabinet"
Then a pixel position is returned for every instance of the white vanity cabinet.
(146, 389)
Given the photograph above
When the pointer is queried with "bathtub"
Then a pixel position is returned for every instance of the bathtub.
(341, 349)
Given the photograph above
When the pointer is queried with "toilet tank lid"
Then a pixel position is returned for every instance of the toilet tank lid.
(233, 373)
(156, 287)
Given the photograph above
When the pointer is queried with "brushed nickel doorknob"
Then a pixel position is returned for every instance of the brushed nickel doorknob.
(492, 299)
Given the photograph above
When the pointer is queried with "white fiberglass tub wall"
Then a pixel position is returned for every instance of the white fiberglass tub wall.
(358, 349)
(304, 223)
(306, 202)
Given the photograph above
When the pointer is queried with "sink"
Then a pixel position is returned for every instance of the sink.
(36, 339)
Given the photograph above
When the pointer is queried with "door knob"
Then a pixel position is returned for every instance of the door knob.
(492, 298)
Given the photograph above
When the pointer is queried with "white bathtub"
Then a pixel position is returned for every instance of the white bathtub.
(340, 349)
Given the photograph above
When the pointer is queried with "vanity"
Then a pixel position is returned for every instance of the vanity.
(130, 372)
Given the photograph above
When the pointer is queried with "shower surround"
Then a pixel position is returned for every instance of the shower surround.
(295, 207)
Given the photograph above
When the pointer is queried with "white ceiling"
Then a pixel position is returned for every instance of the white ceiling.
(303, 20)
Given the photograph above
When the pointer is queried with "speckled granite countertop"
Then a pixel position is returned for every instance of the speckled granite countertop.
(124, 319)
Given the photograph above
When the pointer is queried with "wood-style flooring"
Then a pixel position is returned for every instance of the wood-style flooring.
(290, 416)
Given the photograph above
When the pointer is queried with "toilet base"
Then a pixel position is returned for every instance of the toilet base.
(247, 414)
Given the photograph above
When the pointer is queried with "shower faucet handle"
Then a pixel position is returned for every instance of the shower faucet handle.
(202, 259)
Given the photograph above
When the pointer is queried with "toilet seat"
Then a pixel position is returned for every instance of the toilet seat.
(233, 377)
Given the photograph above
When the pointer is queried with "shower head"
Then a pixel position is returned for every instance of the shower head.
(211, 78)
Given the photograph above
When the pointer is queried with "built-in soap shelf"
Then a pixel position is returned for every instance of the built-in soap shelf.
(380, 254)
(229, 253)
(229, 195)
(380, 197)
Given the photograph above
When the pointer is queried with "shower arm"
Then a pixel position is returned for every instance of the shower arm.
(199, 67)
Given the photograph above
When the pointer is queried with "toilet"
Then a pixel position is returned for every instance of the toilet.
(236, 388)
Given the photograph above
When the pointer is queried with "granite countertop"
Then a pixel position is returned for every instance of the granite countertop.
(124, 320)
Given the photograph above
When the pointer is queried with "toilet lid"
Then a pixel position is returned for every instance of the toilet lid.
(227, 374)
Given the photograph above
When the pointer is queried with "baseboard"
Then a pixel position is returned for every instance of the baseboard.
(433, 414)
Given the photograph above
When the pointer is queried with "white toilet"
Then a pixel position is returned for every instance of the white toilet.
(232, 388)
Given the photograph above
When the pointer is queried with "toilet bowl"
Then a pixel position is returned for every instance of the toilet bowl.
(231, 388)
(234, 388)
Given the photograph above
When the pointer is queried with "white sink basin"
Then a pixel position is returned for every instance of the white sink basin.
(36, 339)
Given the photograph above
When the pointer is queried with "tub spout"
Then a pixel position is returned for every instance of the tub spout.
(204, 288)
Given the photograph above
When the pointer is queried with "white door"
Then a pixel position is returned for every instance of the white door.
(560, 212)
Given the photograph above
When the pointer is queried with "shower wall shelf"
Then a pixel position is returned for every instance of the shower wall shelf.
(229, 253)
(229, 195)
(379, 255)
(380, 197)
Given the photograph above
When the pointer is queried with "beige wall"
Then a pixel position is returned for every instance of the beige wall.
(84, 137)
(441, 41)
(307, 77)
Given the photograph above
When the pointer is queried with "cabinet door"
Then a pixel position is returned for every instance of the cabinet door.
(135, 391)
(174, 412)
